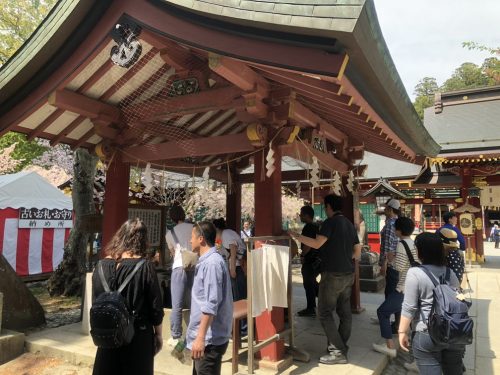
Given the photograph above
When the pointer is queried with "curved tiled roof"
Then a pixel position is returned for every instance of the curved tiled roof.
(316, 15)
(349, 26)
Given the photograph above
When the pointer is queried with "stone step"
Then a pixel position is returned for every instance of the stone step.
(369, 271)
(11, 345)
(372, 285)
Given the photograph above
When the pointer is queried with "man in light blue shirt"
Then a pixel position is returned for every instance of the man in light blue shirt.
(211, 317)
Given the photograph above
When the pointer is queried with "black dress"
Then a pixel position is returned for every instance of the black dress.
(143, 296)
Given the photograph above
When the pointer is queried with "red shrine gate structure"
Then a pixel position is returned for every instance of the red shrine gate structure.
(190, 85)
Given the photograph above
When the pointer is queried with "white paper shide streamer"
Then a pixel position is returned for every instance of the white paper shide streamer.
(148, 179)
(350, 182)
(206, 177)
(337, 184)
(314, 179)
(270, 168)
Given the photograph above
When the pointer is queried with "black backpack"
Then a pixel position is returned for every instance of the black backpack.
(111, 322)
(449, 321)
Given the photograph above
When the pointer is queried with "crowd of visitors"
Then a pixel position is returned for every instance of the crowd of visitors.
(209, 274)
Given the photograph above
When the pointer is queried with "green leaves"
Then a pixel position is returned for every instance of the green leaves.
(25, 151)
(18, 20)
(466, 76)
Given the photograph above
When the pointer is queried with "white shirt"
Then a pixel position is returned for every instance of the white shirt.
(183, 233)
(245, 234)
(230, 237)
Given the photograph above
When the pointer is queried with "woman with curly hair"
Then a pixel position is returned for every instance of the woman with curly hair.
(142, 294)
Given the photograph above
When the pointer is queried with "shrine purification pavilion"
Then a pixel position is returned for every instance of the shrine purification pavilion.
(187, 85)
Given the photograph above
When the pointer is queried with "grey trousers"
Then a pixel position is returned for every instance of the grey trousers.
(181, 283)
(335, 296)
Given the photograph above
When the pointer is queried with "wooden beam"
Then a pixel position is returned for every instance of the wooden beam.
(305, 85)
(327, 160)
(156, 109)
(205, 146)
(103, 129)
(83, 105)
(238, 73)
(304, 115)
(183, 167)
(304, 81)
(167, 131)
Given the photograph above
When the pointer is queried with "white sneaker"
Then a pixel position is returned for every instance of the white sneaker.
(172, 342)
(374, 320)
(411, 366)
(382, 348)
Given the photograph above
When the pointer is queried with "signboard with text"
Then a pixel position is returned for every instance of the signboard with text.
(45, 218)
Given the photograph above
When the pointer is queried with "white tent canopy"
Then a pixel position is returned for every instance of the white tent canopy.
(30, 190)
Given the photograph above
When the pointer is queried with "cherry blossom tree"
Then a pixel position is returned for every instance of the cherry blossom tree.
(7, 163)
(206, 203)
(60, 156)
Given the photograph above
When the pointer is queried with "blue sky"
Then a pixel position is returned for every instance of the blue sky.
(425, 37)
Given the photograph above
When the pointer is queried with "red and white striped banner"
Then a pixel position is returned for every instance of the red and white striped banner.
(30, 251)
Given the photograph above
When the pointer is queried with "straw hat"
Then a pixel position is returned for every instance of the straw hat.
(449, 237)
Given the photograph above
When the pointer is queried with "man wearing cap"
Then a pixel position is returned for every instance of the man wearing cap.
(388, 245)
(454, 259)
(450, 221)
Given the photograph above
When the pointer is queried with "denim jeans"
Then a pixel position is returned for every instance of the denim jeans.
(391, 305)
(391, 282)
(335, 295)
(433, 359)
(311, 286)
(181, 283)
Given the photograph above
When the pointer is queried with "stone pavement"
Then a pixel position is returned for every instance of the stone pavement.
(69, 344)
(481, 358)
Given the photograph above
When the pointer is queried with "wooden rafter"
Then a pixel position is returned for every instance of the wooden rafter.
(305, 82)
(351, 90)
(67, 130)
(159, 108)
(204, 146)
(309, 89)
(327, 160)
(45, 124)
(144, 87)
(255, 87)
(305, 116)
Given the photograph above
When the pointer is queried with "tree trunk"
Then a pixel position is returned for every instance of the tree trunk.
(69, 277)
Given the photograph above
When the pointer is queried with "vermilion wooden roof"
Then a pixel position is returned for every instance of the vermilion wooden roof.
(76, 95)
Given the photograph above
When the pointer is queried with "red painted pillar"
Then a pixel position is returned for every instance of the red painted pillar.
(115, 198)
(268, 223)
(233, 207)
